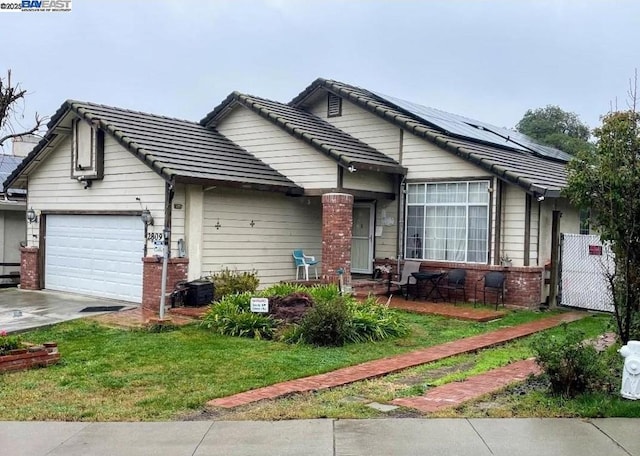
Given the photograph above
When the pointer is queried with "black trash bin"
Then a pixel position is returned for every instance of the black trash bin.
(199, 293)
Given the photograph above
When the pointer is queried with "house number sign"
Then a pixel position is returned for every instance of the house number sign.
(154, 236)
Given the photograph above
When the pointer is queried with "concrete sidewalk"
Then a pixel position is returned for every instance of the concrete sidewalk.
(397, 437)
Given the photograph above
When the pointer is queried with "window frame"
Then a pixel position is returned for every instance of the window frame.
(466, 204)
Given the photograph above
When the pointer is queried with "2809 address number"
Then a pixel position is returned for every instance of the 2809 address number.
(154, 236)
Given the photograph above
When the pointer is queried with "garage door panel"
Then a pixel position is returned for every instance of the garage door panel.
(97, 255)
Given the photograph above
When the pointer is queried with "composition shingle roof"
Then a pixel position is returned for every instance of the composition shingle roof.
(323, 136)
(528, 169)
(177, 150)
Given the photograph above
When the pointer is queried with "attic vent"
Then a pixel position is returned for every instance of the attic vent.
(334, 105)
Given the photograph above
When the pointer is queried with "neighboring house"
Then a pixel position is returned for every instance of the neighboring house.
(12, 212)
(351, 176)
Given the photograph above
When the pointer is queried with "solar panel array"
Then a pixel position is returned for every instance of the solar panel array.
(464, 127)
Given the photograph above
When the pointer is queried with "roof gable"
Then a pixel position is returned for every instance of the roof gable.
(500, 155)
(335, 143)
(177, 150)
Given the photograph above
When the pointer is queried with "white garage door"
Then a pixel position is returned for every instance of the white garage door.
(96, 255)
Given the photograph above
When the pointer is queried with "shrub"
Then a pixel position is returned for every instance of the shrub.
(231, 316)
(324, 292)
(371, 321)
(326, 323)
(8, 343)
(573, 367)
(228, 282)
(283, 289)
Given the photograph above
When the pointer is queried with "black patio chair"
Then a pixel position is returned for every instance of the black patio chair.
(493, 282)
(455, 281)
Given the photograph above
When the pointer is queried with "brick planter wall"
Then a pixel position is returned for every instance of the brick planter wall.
(337, 219)
(523, 286)
(29, 268)
(152, 280)
(35, 356)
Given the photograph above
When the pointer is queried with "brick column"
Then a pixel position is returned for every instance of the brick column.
(152, 280)
(29, 268)
(337, 220)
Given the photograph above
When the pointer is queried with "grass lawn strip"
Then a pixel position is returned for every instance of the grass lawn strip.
(392, 364)
(349, 401)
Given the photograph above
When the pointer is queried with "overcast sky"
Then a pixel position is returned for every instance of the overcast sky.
(488, 60)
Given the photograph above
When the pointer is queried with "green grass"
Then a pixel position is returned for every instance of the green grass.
(349, 401)
(111, 374)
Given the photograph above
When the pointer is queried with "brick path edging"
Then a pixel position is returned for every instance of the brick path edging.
(379, 367)
(456, 393)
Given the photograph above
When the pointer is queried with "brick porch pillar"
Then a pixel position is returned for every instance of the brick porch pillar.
(337, 220)
(30, 268)
(152, 280)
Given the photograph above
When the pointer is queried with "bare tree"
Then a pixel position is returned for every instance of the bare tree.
(11, 103)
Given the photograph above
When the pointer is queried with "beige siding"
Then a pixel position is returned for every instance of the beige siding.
(125, 179)
(369, 180)
(387, 220)
(534, 234)
(513, 215)
(280, 225)
(425, 160)
(361, 124)
(13, 231)
(300, 162)
(178, 210)
(569, 223)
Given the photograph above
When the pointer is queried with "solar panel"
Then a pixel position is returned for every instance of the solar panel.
(7, 164)
(475, 130)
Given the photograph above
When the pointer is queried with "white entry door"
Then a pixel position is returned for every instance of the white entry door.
(362, 238)
(95, 255)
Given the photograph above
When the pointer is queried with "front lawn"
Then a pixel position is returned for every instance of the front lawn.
(111, 374)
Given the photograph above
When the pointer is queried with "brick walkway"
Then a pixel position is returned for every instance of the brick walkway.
(455, 393)
(385, 366)
(459, 312)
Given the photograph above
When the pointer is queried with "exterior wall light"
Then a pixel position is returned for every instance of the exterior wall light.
(32, 217)
(146, 217)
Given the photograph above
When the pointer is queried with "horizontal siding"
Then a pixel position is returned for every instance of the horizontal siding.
(425, 160)
(293, 158)
(178, 210)
(534, 234)
(513, 215)
(281, 224)
(387, 218)
(125, 178)
(368, 180)
(363, 125)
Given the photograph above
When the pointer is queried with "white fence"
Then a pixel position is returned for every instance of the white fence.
(584, 264)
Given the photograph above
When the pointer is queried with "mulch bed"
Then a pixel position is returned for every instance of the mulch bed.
(290, 309)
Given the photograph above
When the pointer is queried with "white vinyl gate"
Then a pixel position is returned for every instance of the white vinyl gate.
(584, 263)
(95, 255)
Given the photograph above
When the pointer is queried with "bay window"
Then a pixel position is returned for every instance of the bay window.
(448, 221)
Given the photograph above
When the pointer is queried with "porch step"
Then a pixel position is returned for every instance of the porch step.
(363, 287)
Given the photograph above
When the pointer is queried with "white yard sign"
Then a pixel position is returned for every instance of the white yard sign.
(260, 305)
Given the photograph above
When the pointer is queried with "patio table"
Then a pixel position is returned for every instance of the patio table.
(431, 280)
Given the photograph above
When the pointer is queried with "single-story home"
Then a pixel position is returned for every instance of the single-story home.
(354, 177)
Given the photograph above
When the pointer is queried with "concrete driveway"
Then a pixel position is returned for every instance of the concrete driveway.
(21, 310)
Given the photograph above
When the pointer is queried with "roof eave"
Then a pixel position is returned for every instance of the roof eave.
(291, 189)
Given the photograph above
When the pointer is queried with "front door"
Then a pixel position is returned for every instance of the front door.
(362, 238)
